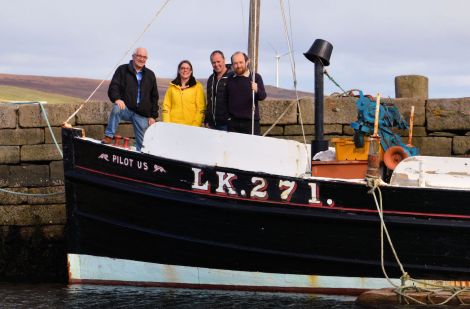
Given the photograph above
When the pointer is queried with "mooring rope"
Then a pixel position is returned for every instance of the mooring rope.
(50, 130)
(44, 113)
(374, 184)
(121, 59)
(30, 194)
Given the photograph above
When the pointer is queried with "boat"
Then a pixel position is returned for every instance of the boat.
(198, 210)
(210, 209)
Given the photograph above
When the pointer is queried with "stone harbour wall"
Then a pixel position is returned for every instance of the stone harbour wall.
(32, 245)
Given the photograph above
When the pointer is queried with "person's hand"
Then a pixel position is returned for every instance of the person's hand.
(254, 86)
(151, 121)
(121, 104)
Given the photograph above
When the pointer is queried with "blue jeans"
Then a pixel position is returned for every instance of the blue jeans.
(220, 127)
(139, 122)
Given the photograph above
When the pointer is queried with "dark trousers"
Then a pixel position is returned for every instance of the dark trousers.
(243, 126)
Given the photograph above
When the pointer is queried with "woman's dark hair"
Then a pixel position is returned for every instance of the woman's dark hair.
(177, 80)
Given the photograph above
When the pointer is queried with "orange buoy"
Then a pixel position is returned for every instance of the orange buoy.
(393, 156)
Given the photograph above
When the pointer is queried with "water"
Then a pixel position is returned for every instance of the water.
(91, 296)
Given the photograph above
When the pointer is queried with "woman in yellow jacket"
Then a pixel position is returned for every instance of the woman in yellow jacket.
(184, 101)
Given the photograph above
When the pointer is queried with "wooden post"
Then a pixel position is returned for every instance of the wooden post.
(253, 34)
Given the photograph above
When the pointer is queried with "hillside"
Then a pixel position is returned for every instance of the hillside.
(11, 93)
(82, 87)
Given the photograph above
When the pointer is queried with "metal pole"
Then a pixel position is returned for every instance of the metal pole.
(318, 144)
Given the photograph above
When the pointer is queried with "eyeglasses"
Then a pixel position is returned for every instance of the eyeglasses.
(141, 57)
(185, 69)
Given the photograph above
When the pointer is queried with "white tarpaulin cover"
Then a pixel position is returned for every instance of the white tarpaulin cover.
(217, 148)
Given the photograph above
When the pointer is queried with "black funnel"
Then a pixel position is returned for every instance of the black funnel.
(320, 49)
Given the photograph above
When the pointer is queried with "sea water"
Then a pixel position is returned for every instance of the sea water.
(92, 296)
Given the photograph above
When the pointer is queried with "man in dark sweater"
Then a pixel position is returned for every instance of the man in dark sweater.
(133, 90)
(239, 94)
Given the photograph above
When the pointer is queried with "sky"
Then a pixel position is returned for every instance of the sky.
(373, 40)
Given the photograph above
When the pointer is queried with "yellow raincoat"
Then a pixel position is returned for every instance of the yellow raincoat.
(184, 106)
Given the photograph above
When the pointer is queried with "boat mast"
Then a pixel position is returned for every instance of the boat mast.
(253, 34)
(253, 43)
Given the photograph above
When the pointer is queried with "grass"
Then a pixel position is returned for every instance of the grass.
(10, 93)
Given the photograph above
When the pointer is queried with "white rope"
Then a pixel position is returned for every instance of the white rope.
(294, 77)
(50, 130)
(121, 59)
(374, 184)
(31, 194)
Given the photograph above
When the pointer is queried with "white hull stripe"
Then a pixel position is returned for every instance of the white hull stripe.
(87, 268)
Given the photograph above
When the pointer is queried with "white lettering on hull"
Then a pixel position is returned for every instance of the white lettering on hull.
(197, 185)
(225, 182)
(259, 191)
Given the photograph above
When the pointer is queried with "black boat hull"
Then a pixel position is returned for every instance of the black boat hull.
(137, 207)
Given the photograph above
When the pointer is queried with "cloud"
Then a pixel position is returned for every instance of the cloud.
(373, 40)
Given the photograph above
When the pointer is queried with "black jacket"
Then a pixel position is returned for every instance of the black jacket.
(216, 109)
(124, 86)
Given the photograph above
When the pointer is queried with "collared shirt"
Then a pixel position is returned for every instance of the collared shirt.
(138, 75)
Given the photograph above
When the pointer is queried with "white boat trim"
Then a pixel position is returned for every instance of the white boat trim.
(88, 269)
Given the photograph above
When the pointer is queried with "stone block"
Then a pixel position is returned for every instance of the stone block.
(310, 129)
(296, 129)
(332, 129)
(417, 131)
(448, 114)
(306, 110)
(57, 131)
(160, 103)
(56, 172)
(335, 110)
(4, 172)
(125, 130)
(404, 107)
(271, 111)
(43, 152)
(94, 113)
(411, 86)
(57, 195)
(442, 134)
(13, 197)
(277, 130)
(31, 115)
(8, 116)
(53, 232)
(30, 215)
(9, 154)
(433, 146)
(21, 136)
(94, 131)
(461, 145)
(29, 176)
(340, 110)
(347, 130)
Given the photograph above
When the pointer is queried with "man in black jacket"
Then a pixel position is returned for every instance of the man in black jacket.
(216, 116)
(133, 90)
(239, 94)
